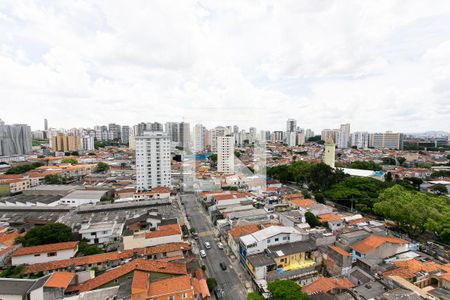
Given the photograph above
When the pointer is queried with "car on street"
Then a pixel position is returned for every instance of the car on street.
(219, 245)
(219, 293)
(195, 235)
(207, 245)
(223, 266)
(202, 253)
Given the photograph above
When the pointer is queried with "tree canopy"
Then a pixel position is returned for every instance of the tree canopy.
(254, 296)
(364, 165)
(47, 234)
(312, 220)
(286, 290)
(23, 168)
(101, 167)
(69, 160)
(415, 212)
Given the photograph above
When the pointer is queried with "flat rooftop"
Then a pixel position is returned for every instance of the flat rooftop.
(85, 194)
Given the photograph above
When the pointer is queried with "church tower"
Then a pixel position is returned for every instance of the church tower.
(329, 153)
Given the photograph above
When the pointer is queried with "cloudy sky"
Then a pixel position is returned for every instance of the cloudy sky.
(379, 65)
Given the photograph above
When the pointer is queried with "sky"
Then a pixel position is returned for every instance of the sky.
(379, 65)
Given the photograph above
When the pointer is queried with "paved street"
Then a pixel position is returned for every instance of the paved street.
(228, 280)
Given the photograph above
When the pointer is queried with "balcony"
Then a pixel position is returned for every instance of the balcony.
(292, 273)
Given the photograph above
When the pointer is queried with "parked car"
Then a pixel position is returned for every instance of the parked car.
(219, 245)
(202, 253)
(207, 245)
(223, 266)
(219, 293)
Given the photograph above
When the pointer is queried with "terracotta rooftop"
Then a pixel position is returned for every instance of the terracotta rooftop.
(303, 202)
(407, 269)
(140, 281)
(327, 284)
(292, 196)
(340, 250)
(170, 286)
(103, 257)
(59, 280)
(374, 241)
(45, 248)
(330, 217)
(238, 231)
(153, 266)
(165, 230)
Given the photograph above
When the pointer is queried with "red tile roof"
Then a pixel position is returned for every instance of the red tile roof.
(326, 284)
(139, 264)
(340, 250)
(59, 280)
(303, 202)
(238, 231)
(140, 281)
(374, 241)
(103, 257)
(45, 248)
(165, 230)
(170, 286)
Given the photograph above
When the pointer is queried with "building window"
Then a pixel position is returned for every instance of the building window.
(37, 254)
(276, 239)
(51, 254)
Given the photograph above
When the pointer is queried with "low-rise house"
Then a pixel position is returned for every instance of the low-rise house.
(48, 287)
(104, 261)
(327, 285)
(123, 276)
(102, 233)
(236, 232)
(378, 247)
(155, 193)
(337, 261)
(81, 197)
(164, 233)
(182, 287)
(291, 218)
(17, 185)
(44, 253)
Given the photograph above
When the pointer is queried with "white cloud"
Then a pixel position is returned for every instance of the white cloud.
(378, 65)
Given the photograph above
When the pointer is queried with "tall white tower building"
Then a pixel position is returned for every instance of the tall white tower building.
(343, 140)
(199, 138)
(225, 154)
(152, 160)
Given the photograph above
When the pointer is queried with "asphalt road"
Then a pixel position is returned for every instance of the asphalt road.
(228, 280)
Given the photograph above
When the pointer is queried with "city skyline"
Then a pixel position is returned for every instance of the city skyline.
(219, 63)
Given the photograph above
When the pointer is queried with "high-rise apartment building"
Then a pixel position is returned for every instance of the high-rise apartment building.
(14, 139)
(172, 130)
(199, 138)
(185, 136)
(301, 138)
(114, 132)
(152, 160)
(87, 143)
(214, 134)
(308, 134)
(277, 136)
(225, 154)
(343, 141)
(388, 139)
(125, 135)
(360, 140)
(291, 125)
(65, 143)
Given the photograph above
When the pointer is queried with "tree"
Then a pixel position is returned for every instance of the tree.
(47, 234)
(237, 154)
(101, 167)
(389, 161)
(414, 181)
(254, 296)
(439, 189)
(312, 220)
(414, 212)
(441, 173)
(85, 249)
(23, 168)
(401, 160)
(213, 157)
(69, 160)
(319, 198)
(315, 138)
(212, 283)
(365, 165)
(388, 177)
(55, 179)
(286, 290)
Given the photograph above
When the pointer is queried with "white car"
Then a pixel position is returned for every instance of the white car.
(207, 245)
(219, 245)
(202, 253)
